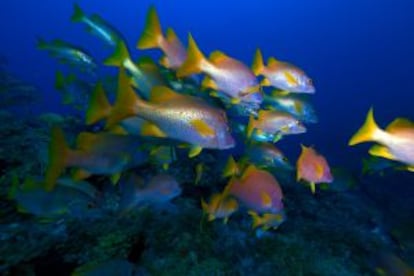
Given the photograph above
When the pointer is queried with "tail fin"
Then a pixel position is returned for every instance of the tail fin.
(152, 35)
(256, 219)
(258, 64)
(58, 152)
(195, 58)
(368, 132)
(125, 102)
(78, 14)
(231, 168)
(120, 55)
(99, 106)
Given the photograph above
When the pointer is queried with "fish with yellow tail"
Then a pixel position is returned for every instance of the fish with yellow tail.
(102, 153)
(267, 220)
(313, 168)
(224, 74)
(170, 45)
(396, 142)
(220, 207)
(282, 75)
(181, 117)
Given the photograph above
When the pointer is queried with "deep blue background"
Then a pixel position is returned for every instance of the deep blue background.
(360, 53)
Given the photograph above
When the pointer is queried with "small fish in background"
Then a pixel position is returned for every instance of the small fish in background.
(153, 37)
(68, 53)
(282, 75)
(101, 153)
(97, 26)
(69, 197)
(266, 155)
(220, 206)
(257, 189)
(159, 190)
(185, 118)
(267, 220)
(396, 142)
(224, 74)
(313, 168)
(378, 165)
(296, 105)
(74, 92)
(271, 126)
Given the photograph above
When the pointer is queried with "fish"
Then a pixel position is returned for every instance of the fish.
(396, 142)
(258, 190)
(159, 190)
(267, 220)
(142, 79)
(153, 37)
(69, 197)
(373, 164)
(282, 75)
(68, 53)
(182, 117)
(313, 168)
(225, 74)
(266, 155)
(74, 92)
(220, 206)
(97, 26)
(294, 104)
(272, 125)
(100, 153)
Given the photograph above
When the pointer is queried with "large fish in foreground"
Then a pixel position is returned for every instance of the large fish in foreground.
(185, 118)
(224, 74)
(152, 37)
(282, 75)
(396, 142)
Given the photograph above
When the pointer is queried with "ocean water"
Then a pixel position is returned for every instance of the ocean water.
(359, 54)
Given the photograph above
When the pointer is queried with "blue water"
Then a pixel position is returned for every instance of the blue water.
(359, 53)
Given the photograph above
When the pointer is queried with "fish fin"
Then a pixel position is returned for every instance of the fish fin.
(171, 35)
(58, 154)
(161, 94)
(214, 94)
(266, 200)
(400, 124)
(265, 82)
(235, 101)
(164, 61)
(194, 151)
(204, 205)
(367, 132)
(272, 61)
(115, 178)
(208, 82)
(231, 168)
(319, 170)
(250, 169)
(250, 126)
(381, 151)
(217, 57)
(152, 35)
(120, 55)
(78, 14)
(150, 129)
(125, 103)
(203, 128)
(277, 137)
(312, 187)
(199, 172)
(290, 78)
(410, 168)
(80, 174)
(194, 61)
(118, 130)
(258, 64)
(257, 220)
(99, 106)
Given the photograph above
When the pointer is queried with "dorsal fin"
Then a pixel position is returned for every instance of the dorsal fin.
(217, 57)
(171, 35)
(400, 124)
(160, 94)
(272, 61)
(250, 169)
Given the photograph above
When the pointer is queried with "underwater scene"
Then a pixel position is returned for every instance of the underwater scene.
(207, 137)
